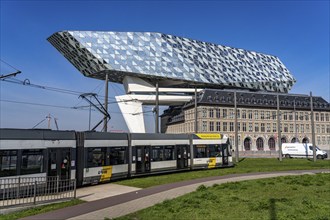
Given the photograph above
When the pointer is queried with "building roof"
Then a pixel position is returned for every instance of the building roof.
(166, 58)
(259, 100)
(253, 100)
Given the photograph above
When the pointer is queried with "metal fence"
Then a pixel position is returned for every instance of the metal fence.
(35, 190)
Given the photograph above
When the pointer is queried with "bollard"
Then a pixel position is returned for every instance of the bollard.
(75, 188)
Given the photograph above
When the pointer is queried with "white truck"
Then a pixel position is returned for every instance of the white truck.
(302, 150)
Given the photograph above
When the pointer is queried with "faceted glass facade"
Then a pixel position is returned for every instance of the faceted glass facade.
(162, 56)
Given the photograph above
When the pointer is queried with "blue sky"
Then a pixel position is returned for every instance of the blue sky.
(295, 31)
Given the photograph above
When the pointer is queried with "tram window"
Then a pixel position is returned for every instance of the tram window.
(32, 161)
(169, 153)
(214, 150)
(96, 157)
(8, 161)
(157, 154)
(117, 156)
(200, 151)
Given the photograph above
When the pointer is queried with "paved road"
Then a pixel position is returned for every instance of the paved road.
(126, 203)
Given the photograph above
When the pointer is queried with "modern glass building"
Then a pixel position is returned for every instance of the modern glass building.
(171, 60)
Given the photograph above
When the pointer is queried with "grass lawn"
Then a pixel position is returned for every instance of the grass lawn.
(39, 210)
(247, 165)
(290, 197)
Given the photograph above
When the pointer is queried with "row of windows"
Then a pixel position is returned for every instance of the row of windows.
(254, 114)
(322, 140)
(250, 127)
(202, 151)
(261, 127)
(26, 161)
(259, 143)
(161, 153)
(217, 126)
(105, 156)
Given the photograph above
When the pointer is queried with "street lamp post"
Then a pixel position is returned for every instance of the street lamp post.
(279, 140)
(157, 110)
(295, 121)
(196, 123)
(313, 131)
(236, 130)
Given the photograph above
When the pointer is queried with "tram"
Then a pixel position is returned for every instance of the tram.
(94, 157)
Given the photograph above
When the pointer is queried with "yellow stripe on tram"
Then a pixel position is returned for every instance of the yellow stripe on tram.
(106, 173)
(212, 162)
(209, 136)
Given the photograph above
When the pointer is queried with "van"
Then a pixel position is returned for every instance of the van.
(302, 150)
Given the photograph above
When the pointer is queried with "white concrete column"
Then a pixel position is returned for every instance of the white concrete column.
(132, 112)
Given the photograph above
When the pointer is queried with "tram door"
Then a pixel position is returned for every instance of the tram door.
(142, 159)
(182, 156)
(59, 162)
(224, 149)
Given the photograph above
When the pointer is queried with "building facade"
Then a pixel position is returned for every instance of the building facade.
(256, 118)
(170, 60)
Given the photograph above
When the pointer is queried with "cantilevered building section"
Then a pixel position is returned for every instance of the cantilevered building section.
(178, 65)
(171, 60)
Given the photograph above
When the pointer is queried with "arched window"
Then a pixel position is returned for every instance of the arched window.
(271, 143)
(247, 143)
(294, 140)
(283, 140)
(260, 144)
(305, 140)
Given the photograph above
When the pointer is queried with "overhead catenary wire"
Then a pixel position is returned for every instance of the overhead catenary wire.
(56, 106)
(54, 89)
(98, 86)
(9, 65)
(9, 75)
(48, 117)
(27, 82)
(39, 104)
(39, 123)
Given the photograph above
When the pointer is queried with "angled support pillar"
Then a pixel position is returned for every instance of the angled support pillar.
(132, 112)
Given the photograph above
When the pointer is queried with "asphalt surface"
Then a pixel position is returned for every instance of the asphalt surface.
(126, 203)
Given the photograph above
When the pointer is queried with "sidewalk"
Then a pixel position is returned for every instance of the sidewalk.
(126, 203)
(101, 191)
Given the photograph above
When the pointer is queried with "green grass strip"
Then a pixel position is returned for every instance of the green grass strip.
(289, 197)
(39, 210)
(247, 165)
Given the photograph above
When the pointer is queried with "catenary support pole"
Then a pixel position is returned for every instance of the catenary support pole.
(105, 120)
(157, 109)
(90, 114)
(236, 129)
(313, 131)
(196, 123)
(295, 121)
(279, 139)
